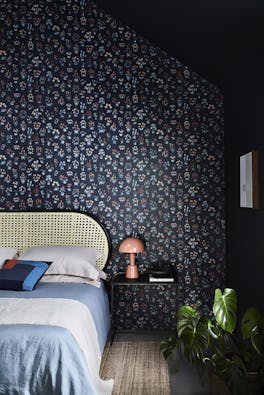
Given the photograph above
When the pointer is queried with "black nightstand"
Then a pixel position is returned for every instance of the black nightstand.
(139, 288)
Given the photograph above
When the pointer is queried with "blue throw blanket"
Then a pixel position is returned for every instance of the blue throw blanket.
(46, 360)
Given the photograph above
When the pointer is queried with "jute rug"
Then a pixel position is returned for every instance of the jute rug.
(137, 367)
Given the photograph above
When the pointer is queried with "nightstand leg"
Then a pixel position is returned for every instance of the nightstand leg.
(111, 334)
(112, 329)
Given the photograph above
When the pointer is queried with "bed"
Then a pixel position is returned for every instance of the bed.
(52, 339)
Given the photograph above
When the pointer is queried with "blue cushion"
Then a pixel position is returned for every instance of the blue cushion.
(22, 275)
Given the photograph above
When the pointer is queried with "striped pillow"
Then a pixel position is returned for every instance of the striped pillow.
(22, 275)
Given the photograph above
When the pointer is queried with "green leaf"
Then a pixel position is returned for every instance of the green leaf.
(168, 345)
(251, 318)
(192, 332)
(186, 311)
(224, 308)
(214, 331)
(252, 327)
(231, 372)
(257, 339)
(173, 361)
(186, 317)
(195, 341)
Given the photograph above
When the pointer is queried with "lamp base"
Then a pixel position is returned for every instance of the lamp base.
(132, 272)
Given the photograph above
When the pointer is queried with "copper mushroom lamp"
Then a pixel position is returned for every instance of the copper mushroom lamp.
(132, 246)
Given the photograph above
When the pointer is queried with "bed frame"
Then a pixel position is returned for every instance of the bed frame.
(25, 229)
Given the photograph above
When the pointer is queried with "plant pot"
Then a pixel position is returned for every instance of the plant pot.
(252, 385)
(185, 380)
(255, 384)
(218, 387)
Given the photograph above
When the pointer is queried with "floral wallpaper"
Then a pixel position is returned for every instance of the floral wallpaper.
(95, 118)
(140, 313)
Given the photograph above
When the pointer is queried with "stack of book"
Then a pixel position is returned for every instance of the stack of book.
(154, 279)
(162, 275)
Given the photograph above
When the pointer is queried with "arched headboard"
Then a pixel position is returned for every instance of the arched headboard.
(26, 229)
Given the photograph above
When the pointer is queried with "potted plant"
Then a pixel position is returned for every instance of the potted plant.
(233, 363)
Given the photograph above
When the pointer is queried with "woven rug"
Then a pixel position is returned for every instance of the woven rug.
(137, 367)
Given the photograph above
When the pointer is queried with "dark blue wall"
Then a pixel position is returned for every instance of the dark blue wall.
(244, 227)
(95, 118)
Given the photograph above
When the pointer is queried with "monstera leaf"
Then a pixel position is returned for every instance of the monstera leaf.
(257, 339)
(224, 308)
(251, 318)
(193, 333)
(168, 345)
(213, 344)
(187, 317)
(252, 327)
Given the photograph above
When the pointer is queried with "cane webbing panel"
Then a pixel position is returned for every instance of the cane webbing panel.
(22, 230)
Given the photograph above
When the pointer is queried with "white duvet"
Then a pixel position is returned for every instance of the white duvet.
(69, 314)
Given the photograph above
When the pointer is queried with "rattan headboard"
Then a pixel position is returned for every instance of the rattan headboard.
(22, 230)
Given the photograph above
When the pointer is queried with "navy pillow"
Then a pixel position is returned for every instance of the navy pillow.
(22, 275)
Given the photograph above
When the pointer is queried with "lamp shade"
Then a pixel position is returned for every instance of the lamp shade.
(131, 245)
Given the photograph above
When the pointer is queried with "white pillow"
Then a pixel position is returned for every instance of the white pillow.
(60, 278)
(7, 253)
(67, 260)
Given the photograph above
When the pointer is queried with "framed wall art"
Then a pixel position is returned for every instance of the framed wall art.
(251, 177)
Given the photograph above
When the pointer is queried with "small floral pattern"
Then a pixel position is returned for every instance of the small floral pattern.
(95, 118)
(145, 307)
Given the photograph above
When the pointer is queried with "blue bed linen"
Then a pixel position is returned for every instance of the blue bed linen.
(94, 298)
(46, 360)
(42, 360)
